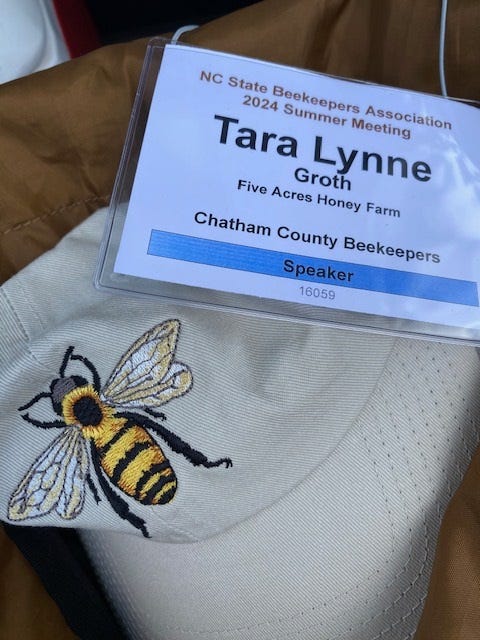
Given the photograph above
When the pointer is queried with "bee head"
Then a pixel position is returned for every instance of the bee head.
(61, 386)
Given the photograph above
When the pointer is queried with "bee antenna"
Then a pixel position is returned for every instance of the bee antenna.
(66, 358)
(91, 367)
(38, 397)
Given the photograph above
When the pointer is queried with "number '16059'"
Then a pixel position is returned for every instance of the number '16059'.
(316, 292)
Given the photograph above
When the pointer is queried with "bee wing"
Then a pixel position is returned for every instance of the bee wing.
(147, 374)
(56, 480)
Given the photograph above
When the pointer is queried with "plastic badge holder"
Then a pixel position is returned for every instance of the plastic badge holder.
(257, 188)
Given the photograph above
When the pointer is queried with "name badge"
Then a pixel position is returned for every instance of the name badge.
(264, 188)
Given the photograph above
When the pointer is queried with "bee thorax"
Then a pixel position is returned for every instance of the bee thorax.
(87, 411)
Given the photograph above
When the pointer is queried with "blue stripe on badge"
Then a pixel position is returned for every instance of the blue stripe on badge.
(288, 265)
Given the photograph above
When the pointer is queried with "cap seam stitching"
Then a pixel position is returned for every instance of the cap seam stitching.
(31, 304)
(14, 312)
(22, 225)
(23, 329)
(38, 316)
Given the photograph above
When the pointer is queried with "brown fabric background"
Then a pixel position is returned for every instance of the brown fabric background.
(26, 610)
(61, 135)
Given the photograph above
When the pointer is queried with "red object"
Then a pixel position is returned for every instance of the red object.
(77, 26)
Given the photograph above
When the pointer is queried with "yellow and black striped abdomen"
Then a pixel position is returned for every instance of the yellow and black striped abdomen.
(136, 464)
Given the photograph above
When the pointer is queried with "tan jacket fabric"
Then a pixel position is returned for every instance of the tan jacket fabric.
(61, 135)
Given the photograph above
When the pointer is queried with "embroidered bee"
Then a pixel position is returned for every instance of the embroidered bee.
(123, 452)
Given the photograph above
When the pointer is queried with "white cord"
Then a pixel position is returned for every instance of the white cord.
(441, 48)
(179, 32)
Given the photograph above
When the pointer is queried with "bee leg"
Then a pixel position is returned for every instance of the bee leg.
(93, 489)
(159, 415)
(56, 424)
(38, 397)
(177, 444)
(116, 502)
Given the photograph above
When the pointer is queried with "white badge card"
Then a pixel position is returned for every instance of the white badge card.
(272, 189)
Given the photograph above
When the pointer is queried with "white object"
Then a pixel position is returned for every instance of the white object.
(352, 210)
(30, 38)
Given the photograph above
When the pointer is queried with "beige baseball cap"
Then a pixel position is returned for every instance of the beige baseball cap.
(232, 476)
